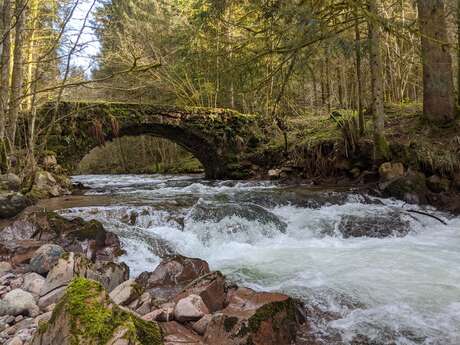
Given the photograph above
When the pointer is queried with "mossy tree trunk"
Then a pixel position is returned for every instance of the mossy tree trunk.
(381, 150)
(5, 64)
(438, 88)
(18, 66)
(359, 85)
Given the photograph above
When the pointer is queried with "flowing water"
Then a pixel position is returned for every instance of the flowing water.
(403, 289)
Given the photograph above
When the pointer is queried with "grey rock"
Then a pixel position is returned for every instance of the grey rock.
(126, 292)
(33, 283)
(191, 308)
(10, 182)
(51, 298)
(18, 302)
(11, 204)
(45, 258)
(202, 324)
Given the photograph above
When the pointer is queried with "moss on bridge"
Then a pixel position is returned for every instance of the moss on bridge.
(219, 138)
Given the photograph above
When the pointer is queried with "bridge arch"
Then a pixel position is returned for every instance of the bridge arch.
(218, 138)
(202, 150)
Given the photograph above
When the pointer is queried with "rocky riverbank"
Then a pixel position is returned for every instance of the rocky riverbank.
(391, 180)
(60, 283)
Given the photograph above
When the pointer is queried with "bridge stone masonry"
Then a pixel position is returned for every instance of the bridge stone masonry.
(221, 139)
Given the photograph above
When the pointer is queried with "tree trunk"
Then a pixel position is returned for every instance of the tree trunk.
(381, 150)
(359, 85)
(438, 89)
(458, 52)
(5, 65)
(16, 78)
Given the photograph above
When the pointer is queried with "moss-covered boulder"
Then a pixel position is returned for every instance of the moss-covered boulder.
(254, 318)
(12, 203)
(74, 235)
(87, 316)
(411, 188)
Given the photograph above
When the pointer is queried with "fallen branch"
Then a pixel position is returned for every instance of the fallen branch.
(428, 215)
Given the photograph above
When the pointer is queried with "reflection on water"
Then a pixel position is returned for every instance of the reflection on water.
(394, 290)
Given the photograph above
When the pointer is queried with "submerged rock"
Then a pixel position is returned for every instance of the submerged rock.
(87, 316)
(373, 226)
(210, 212)
(206, 211)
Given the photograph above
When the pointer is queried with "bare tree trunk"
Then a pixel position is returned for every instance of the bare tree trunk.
(16, 78)
(359, 85)
(381, 150)
(438, 88)
(315, 85)
(5, 65)
(340, 86)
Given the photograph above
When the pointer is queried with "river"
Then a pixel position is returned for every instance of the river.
(403, 289)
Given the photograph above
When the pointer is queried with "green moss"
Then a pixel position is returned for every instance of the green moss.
(36, 194)
(42, 327)
(92, 230)
(382, 149)
(269, 311)
(93, 319)
(229, 323)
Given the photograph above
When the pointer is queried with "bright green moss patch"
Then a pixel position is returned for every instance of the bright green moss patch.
(94, 319)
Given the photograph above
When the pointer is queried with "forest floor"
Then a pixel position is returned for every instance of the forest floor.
(413, 141)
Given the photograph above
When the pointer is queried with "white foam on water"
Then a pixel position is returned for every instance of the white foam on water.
(408, 288)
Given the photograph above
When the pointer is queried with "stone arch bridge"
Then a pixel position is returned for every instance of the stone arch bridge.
(220, 139)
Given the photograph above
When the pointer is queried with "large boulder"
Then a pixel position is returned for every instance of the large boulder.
(10, 182)
(392, 224)
(74, 235)
(255, 318)
(211, 289)
(410, 188)
(240, 213)
(73, 265)
(172, 275)
(45, 258)
(438, 184)
(12, 203)
(18, 302)
(87, 316)
(18, 251)
(46, 185)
